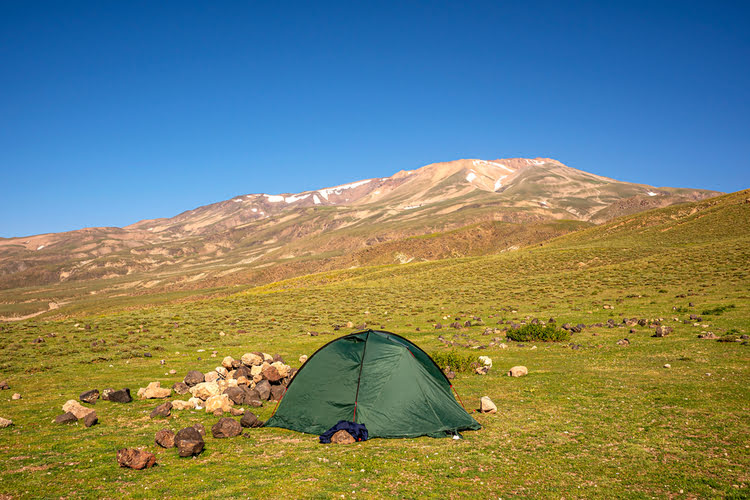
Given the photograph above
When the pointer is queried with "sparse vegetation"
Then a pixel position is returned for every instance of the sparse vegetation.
(717, 310)
(454, 360)
(538, 333)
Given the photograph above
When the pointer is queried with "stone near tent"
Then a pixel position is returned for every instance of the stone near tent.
(211, 376)
(252, 398)
(271, 374)
(189, 441)
(4, 385)
(242, 381)
(205, 390)
(256, 370)
(196, 402)
(277, 392)
(237, 412)
(667, 366)
(201, 430)
(486, 361)
(281, 368)
(518, 371)
(227, 362)
(76, 408)
(349, 324)
(165, 438)
(623, 342)
(303, 358)
(482, 370)
(226, 428)
(218, 402)
(251, 359)
(163, 410)
(154, 390)
(223, 372)
(89, 396)
(264, 389)
(135, 459)
(90, 419)
(250, 420)
(66, 418)
(121, 396)
(180, 388)
(267, 357)
(342, 437)
(172, 371)
(179, 404)
(193, 377)
(15, 396)
(242, 371)
(4, 422)
(486, 405)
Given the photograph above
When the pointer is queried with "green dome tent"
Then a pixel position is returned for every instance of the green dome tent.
(374, 378)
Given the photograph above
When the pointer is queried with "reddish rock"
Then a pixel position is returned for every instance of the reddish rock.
(135, 459)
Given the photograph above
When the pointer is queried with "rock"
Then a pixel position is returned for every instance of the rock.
(342, 437)
(241, 372)
(277, 392)
(4, 385)
(89, 396)
(256, 369)
(189, 441)
(264, 389)
(223, 372)
(66, 418)
(15, 396)
(236, 394)
(237, 412)
(708, 335)
(481, 370)
(4, 422)
(181, 388)
(121, 396)
(242, 381)
(218, 402)
(193, 377)
(281, 368)
(271, 374)
(201, 430)
(227, 362)
(450, 374)
(249, 419)
(518, 371)
(172, 371)
(154, 390)
(163, 410)
(76, 409)
(252, 398)
(196, 402)
(165, 438)
(226, 428)
(251, 359)
(303, 358)
(486, 361)
(623, 342)
(662, 331)
(486, 405)
(212, 376)
(90, 419)
(667, 366)
(349, 324)
(106, 393)
(179, 404)
(205, 390)
(135, 459)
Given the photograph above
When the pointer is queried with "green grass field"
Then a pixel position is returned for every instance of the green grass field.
(593, 419)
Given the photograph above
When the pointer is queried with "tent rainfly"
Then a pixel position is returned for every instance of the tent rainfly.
(375, 378)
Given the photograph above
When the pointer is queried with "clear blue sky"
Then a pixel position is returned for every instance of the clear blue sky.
(112, 112)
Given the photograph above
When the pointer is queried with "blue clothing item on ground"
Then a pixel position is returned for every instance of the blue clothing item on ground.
(358, 431)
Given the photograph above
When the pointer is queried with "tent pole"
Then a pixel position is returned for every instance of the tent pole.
(459, 398)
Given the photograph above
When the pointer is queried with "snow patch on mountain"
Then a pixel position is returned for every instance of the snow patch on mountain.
(316, 200)
(296, 197)
(499, 182)
(471, 176)
(274, 198)
(651, 193)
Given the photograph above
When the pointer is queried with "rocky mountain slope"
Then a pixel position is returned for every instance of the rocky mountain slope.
(263, 237)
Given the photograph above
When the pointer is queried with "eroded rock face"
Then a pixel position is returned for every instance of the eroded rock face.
(226, 428)
(518, 371)
(66, 418)
(264, 389)
(342, 437)
(135, 459)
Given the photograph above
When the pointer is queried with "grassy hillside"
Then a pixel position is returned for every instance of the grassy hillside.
(593, 419)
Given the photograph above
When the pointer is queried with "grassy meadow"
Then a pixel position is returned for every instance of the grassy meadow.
(593, 419)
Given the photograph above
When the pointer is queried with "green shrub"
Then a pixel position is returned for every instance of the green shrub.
(718, 310)
(529, 333)
(456, 361)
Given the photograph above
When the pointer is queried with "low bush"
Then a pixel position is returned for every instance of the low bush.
(456, 361)
(529, 333)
